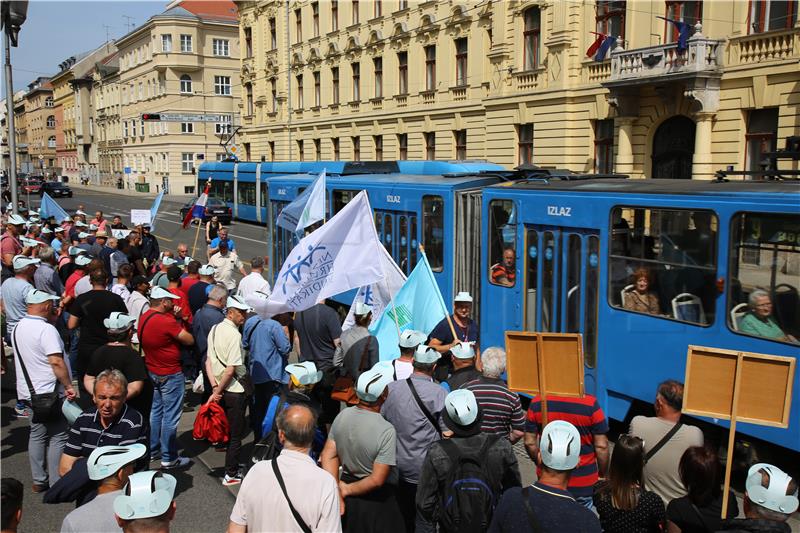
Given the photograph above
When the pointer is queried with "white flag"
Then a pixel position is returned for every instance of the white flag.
(334, 259)
(306, 209)
(379, 294)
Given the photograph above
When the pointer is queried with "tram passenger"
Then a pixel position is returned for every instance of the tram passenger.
(641, 299)
(466, 330)
(505, 273)
(759, 321)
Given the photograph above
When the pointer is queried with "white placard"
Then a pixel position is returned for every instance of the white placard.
(120, 233)
(140, 216)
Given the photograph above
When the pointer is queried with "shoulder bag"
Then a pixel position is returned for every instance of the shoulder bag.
(46, 406)
(141, 329)
(344, 387)
(660, 444)
(245, 381)
(422, 407)
(299, 519)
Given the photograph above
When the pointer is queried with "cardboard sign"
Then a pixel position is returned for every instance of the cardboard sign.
(552, 361)
(140, 216)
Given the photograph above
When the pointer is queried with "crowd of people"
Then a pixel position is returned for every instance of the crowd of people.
(109, 335)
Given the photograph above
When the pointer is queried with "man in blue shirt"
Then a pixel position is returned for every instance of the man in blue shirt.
(223, 236)
(269, 350)
(205, 318)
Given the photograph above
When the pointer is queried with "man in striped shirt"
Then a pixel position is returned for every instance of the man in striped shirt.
(586, 415)
(502, 411)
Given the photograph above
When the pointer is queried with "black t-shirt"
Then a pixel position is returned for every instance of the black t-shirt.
(131, 364)
(700, 519)
(443, 333)
(134, 254)
(92, 308)
(316, 329)
(197, 296)
(554, 510)
(462, 376)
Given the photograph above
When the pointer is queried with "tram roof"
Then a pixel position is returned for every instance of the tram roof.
(655, 186)
(405, 180)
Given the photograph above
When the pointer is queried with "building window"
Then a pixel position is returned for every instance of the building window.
(249, 99)
(300, 154)
(315, 17)
(225, 126)
(273, 35)
(51, 121)
(337, 154)
(767, 15)
(430, 145)
(48, 102)
(604, 146)
(187, 163)
(377, 65)
(761, 137)
(461, 61)
(186, 84)
(334, 15)
(402, 146)
(166, 43)
(688, 11)
(430, 67)
(141, 128)
(273, 89)
(530, 36)
(525, 143)
(611, 18)
(186, 43)
(378, 141)
(125, 129)
(402, 4)
(335, 84)
(187, 127)
(356, 67)
(298, 26)
(221, 47)
(299, 85)
(317, 149)
(378, 8)
(222, 85)
(355, 12)
(51, 141)
(402, 72)
(356, 149)
(460, 137)
(317, 90)
(271, 145)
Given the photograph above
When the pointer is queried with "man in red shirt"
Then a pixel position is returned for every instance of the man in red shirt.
(99, 221)
(192, 276)
(161, 336)
(10, 245)
(81, 262)
(174, 274)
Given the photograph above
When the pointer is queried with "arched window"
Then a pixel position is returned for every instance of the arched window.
(530, 36)
(186, 83)
(51, 121)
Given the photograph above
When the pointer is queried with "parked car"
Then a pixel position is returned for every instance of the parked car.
(214, 206)
(56, 189)
(31, 185)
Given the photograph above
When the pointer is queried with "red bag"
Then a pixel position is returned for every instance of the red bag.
(211, 424)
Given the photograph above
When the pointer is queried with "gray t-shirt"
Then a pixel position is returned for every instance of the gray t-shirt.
(661, 472)
(97, 515)
(362, 438)
(353, 343)
(14, 291)
(317, 328)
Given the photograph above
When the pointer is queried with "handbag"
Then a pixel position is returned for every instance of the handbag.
(46, 406)
(344, 389)
(246, 381)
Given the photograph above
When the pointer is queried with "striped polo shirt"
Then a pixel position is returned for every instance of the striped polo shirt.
(586, 415)
(502, 410)
(87, 433)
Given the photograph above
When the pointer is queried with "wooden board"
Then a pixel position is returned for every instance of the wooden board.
(765, 388)
(562, 362)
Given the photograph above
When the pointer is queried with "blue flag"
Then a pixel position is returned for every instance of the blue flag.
(49, 208)
(154, 210)
(417, 305)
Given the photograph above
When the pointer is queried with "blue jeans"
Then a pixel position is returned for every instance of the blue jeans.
(587, 502)
(166, 413)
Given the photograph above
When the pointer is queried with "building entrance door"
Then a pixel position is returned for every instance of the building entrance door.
(673, 148)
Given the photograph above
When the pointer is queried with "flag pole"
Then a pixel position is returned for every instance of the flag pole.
(446, 312)
(196, 235)
(394, 309)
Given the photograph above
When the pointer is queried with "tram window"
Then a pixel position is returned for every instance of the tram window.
(765, 276)
(413, 248)
(264, 193)
(531, 275)
(222, 190)
(341, 199)
(590, 318)
(246, 193)
(433, 231)
(502, 243)
(663, 263)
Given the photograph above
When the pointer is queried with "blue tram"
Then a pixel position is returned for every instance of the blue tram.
(700, 249)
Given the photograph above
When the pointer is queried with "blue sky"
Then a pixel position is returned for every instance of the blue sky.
(55, 30)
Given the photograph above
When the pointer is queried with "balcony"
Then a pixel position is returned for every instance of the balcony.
(428, 97)
(458, 93)
(377, 103)
(526, 80)
(183, 62)
(401, 100)
(764, 47)
(595, 72)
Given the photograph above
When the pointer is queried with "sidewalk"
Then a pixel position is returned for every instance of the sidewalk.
(128, 192)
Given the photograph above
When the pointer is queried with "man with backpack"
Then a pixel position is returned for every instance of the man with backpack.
(414, 408)
(463, 477)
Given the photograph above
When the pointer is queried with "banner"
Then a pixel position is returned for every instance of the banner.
(334, 259)
(49, 208)
(417, 305)
(154, 210)
(306, 209)
(379, 294)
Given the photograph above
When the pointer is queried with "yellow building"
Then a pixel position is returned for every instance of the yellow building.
(184, 61)
(106, 105)
(40, 121)
(510, 81)
(64, 112)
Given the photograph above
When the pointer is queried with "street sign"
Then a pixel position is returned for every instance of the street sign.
(127, 170)
(185, 117)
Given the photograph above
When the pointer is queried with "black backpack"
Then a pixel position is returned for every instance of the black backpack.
(469, 498)
(269, 447)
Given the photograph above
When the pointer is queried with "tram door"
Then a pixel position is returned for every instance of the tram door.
(398, 234)
(561, 292)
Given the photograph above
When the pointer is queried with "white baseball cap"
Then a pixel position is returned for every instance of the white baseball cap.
(146, 495)
(168, 261)
(461, 407)
(560, 445)
(158, 293)
(373, 382)
(426, 354)
(83, 260)
(37, 297)
(81, 224)
(206, 270)
(30, 242)
(118, 321)
(15, 220)
(463, 296)
(74, 250)
(83, 235)
(66, 218)
(305, 373)
(58, 229)
(21, 261)
(105, 461)
(773, 496)
(79, 212)
(237, 302)
(362, 309)
(463, 350)
(411, 338)
(92, 227)
(46, 230)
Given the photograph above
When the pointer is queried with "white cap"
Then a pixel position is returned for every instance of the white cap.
(463, 296)
(237, 302)
(159, 293)
(81, 224)
(15, 220)
(463, 350)
(167, 261)
(30, 242)
(105, 461)
(46, 230)
(79, 212)
(58, 229)
(146, 495)
(66, 218)
(74, 250)
(92, 227)
(83, 235)
(462, 407)
(22, 261)
(426, 354)
(773, 496)
(373, 382)
(37, 297)
(206, 270)
(560, 445)
(362, 309)
(118, 321)
(83, 260)
(411, 338)
(305, 373)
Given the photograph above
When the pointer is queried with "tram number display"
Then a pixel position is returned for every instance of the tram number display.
(559, 211)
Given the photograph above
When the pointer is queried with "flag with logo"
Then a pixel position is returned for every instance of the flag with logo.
(379, 294)
(198, 209)
(417, 305)
(49, 208)
(306, 209)
(154, 210)
(336, 258)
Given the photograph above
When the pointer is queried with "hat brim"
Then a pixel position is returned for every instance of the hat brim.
(463, 431)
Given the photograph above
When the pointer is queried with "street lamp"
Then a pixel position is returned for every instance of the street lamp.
(14, 13)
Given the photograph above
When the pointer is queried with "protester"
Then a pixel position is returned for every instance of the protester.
(363, 443)
(10, 245)
(466, 331)
(160, 339)
(84, 284)
(160, 277)
(214, 245)
(146, 505)
(502, 411)
(110, 466)
(198, 294)
(670, 438)
(116, 223)
(226, 263)
(80, 269)
(357, 349)
(585, 414)
(701, 508)
(770, 498)
(120, 284)
(150, 248)
(182, 258)
(267, 502)
(134, 251)
(207, 317)
(117, 256)
(138, 303)
(212, 229)
(443, 475)
(46, 278)
(403, 366)
(318, 331)
(254, 281)
(110, 422)
(463, 363)
(414, 408)
(547, 505)
(174, 274)
(191, 278)
(99, 244)
(39, 350)
(11, 508)
(225, 365)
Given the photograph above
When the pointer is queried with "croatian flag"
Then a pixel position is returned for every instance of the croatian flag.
(198, 210)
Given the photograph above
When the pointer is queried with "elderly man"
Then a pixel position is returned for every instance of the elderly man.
(505, 273)
(213, 247)
(225, 366)
(466, 330)
(759, 320)
(261, 504)
(207, 317)
(46, 278)
(226, 263)
(464, 369)
(40, 367)
(10, 244)
(161, 336)
(100, 240)
(182, 258)
(254, 281)
(99, 221)
(502, 411)
(110, 422)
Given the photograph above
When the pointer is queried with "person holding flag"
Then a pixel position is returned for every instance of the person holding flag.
(453, 330)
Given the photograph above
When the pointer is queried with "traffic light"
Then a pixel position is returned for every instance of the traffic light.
(151, 116)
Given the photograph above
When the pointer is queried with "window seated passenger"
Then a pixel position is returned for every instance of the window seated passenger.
(759, 321)
(640, 299)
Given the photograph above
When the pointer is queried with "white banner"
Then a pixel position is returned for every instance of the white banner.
(379, 294)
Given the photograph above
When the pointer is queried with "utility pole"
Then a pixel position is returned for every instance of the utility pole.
(14, 14)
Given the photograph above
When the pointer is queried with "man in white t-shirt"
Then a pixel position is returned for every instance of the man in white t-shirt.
(254, 281)
(38, 346)
(403, 366)
(226, 263)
